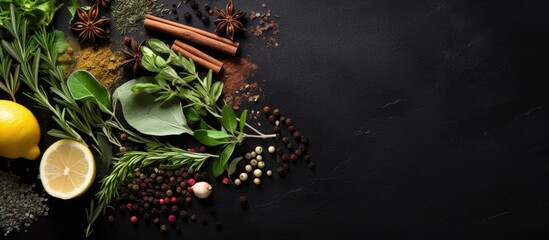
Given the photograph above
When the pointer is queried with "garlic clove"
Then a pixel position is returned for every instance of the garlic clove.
(202, 189)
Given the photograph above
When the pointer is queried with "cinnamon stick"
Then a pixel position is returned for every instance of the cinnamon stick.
(197, 30)
(187, 51)
(198, 53)
(190, 36)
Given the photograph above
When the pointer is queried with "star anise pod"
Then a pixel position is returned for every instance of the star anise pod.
(90, 25)
(104, 3)
(133, 57)
(229, 20)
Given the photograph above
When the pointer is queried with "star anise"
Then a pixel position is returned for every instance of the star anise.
(104, 3)
(133, 57)
(229, 20)
(90, 25)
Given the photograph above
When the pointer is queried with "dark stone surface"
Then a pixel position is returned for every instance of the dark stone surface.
(427, 120)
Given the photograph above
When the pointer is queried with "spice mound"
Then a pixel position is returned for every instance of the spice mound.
(20, 206)
(100, 61)
(236, 89)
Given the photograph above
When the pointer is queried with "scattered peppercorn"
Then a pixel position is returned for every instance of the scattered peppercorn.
(280, 171)
(193, 217)
(163, 228)
(266, 109)
(243, 200)
(193, 4)
(288, 121)
(156, 221)
(206, 20)
(198, 13)
(276, 112)
(187, 16)
(133, 219)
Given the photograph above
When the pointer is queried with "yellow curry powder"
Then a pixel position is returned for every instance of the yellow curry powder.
(100, 61)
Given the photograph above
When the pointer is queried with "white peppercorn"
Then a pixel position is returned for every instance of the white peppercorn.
(237, 182)
(258, 150)
(248, 168)
(261, 164)
(253, 154)
(269, 173)
(243, 177)
(253, 162)
(271, 149)
(258, 172)
(257, 181)
(259, 158)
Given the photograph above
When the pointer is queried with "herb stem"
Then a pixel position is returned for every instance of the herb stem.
(262, 136)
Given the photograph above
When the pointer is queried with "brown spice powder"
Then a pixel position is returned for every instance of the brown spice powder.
(236, 89)
(100, 61)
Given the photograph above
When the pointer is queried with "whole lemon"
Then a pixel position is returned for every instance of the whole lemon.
(19, 131)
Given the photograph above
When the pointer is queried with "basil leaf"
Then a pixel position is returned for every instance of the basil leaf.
(243, 116)
(192, 115)
(201, 135)
(158, 46)
(218, 166)
(232, 166)
(84, 86)
(228, 118)
(150, 117)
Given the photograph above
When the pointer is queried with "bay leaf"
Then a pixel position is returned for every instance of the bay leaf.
(148, 116)
(85, 87)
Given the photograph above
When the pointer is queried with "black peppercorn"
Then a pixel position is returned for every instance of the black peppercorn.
(183, 214)
(285, 157)
(156, 221)
(293, 157)
(304, 139)
(243, 200)
(286, 166)
(198, 13)
(193, 4)
(187, 16)
(276, 128)
(164, 209)
(311, 165)
(297, 152)
(307, 158)
(290, 146)
(197, 176)
(272, 118)
(193, 217)
(188, 200)
(175, 208)
(302, 147)
(266, 109)
(146, 216)
(110, 218)
(163, 228)
(282, 118)
(288, 121)
(280, 171)
(206, 20)
(297, 135)
(279, 151)
(276, 112)
(291, 128)
(285, 140)
(207, 7)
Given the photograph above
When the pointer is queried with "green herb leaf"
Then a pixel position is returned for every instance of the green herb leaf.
(150, 117)
(219, 135)
(243, 116)
(228, 118)
(203, 125)
(219, 164)
(192, 115)
(146, 88)
(232, 166)
(106, 151)
(167, 74)
(216, 90)
(60, 44)
(72, 7)
(84, 86)
(159, 46)
(201, 135)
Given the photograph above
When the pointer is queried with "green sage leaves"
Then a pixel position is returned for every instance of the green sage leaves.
(84, 86)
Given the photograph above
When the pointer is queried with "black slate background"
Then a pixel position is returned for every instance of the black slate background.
(427, 120)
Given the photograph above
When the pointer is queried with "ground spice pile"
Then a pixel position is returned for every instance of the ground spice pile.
(101, 61)
(236, 89)
(19, 205)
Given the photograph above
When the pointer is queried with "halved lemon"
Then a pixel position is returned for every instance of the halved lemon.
(67, 169)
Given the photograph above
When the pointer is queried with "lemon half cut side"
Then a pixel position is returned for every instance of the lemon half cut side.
(67, 169)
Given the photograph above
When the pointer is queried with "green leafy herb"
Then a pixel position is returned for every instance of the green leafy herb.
(39, 12)
(229, 118)
(220, 163)
(84, 86)
(232, 166)
(149, 117)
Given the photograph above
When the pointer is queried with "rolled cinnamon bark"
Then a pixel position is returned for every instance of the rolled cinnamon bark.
(190, 36)
(198, 53)
(197, 30)
(187, 50)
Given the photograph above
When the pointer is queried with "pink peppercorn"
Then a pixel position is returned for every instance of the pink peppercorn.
(133, 219)
(161, 201)
(189, 189)
(166, 200)
(191, 181)
(171, 218)
(129, 206)
(173, 199)
(225, 181)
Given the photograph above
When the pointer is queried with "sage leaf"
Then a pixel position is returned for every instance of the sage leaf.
(192, 115)
(106, 151)
(146, 88)
(150, 117)
(215, 92)
(219, 164)
(228, 118)
(232, 166)
(84, 86)
(201, 135)
(243, 116)
(158, 46)
(218, 135)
